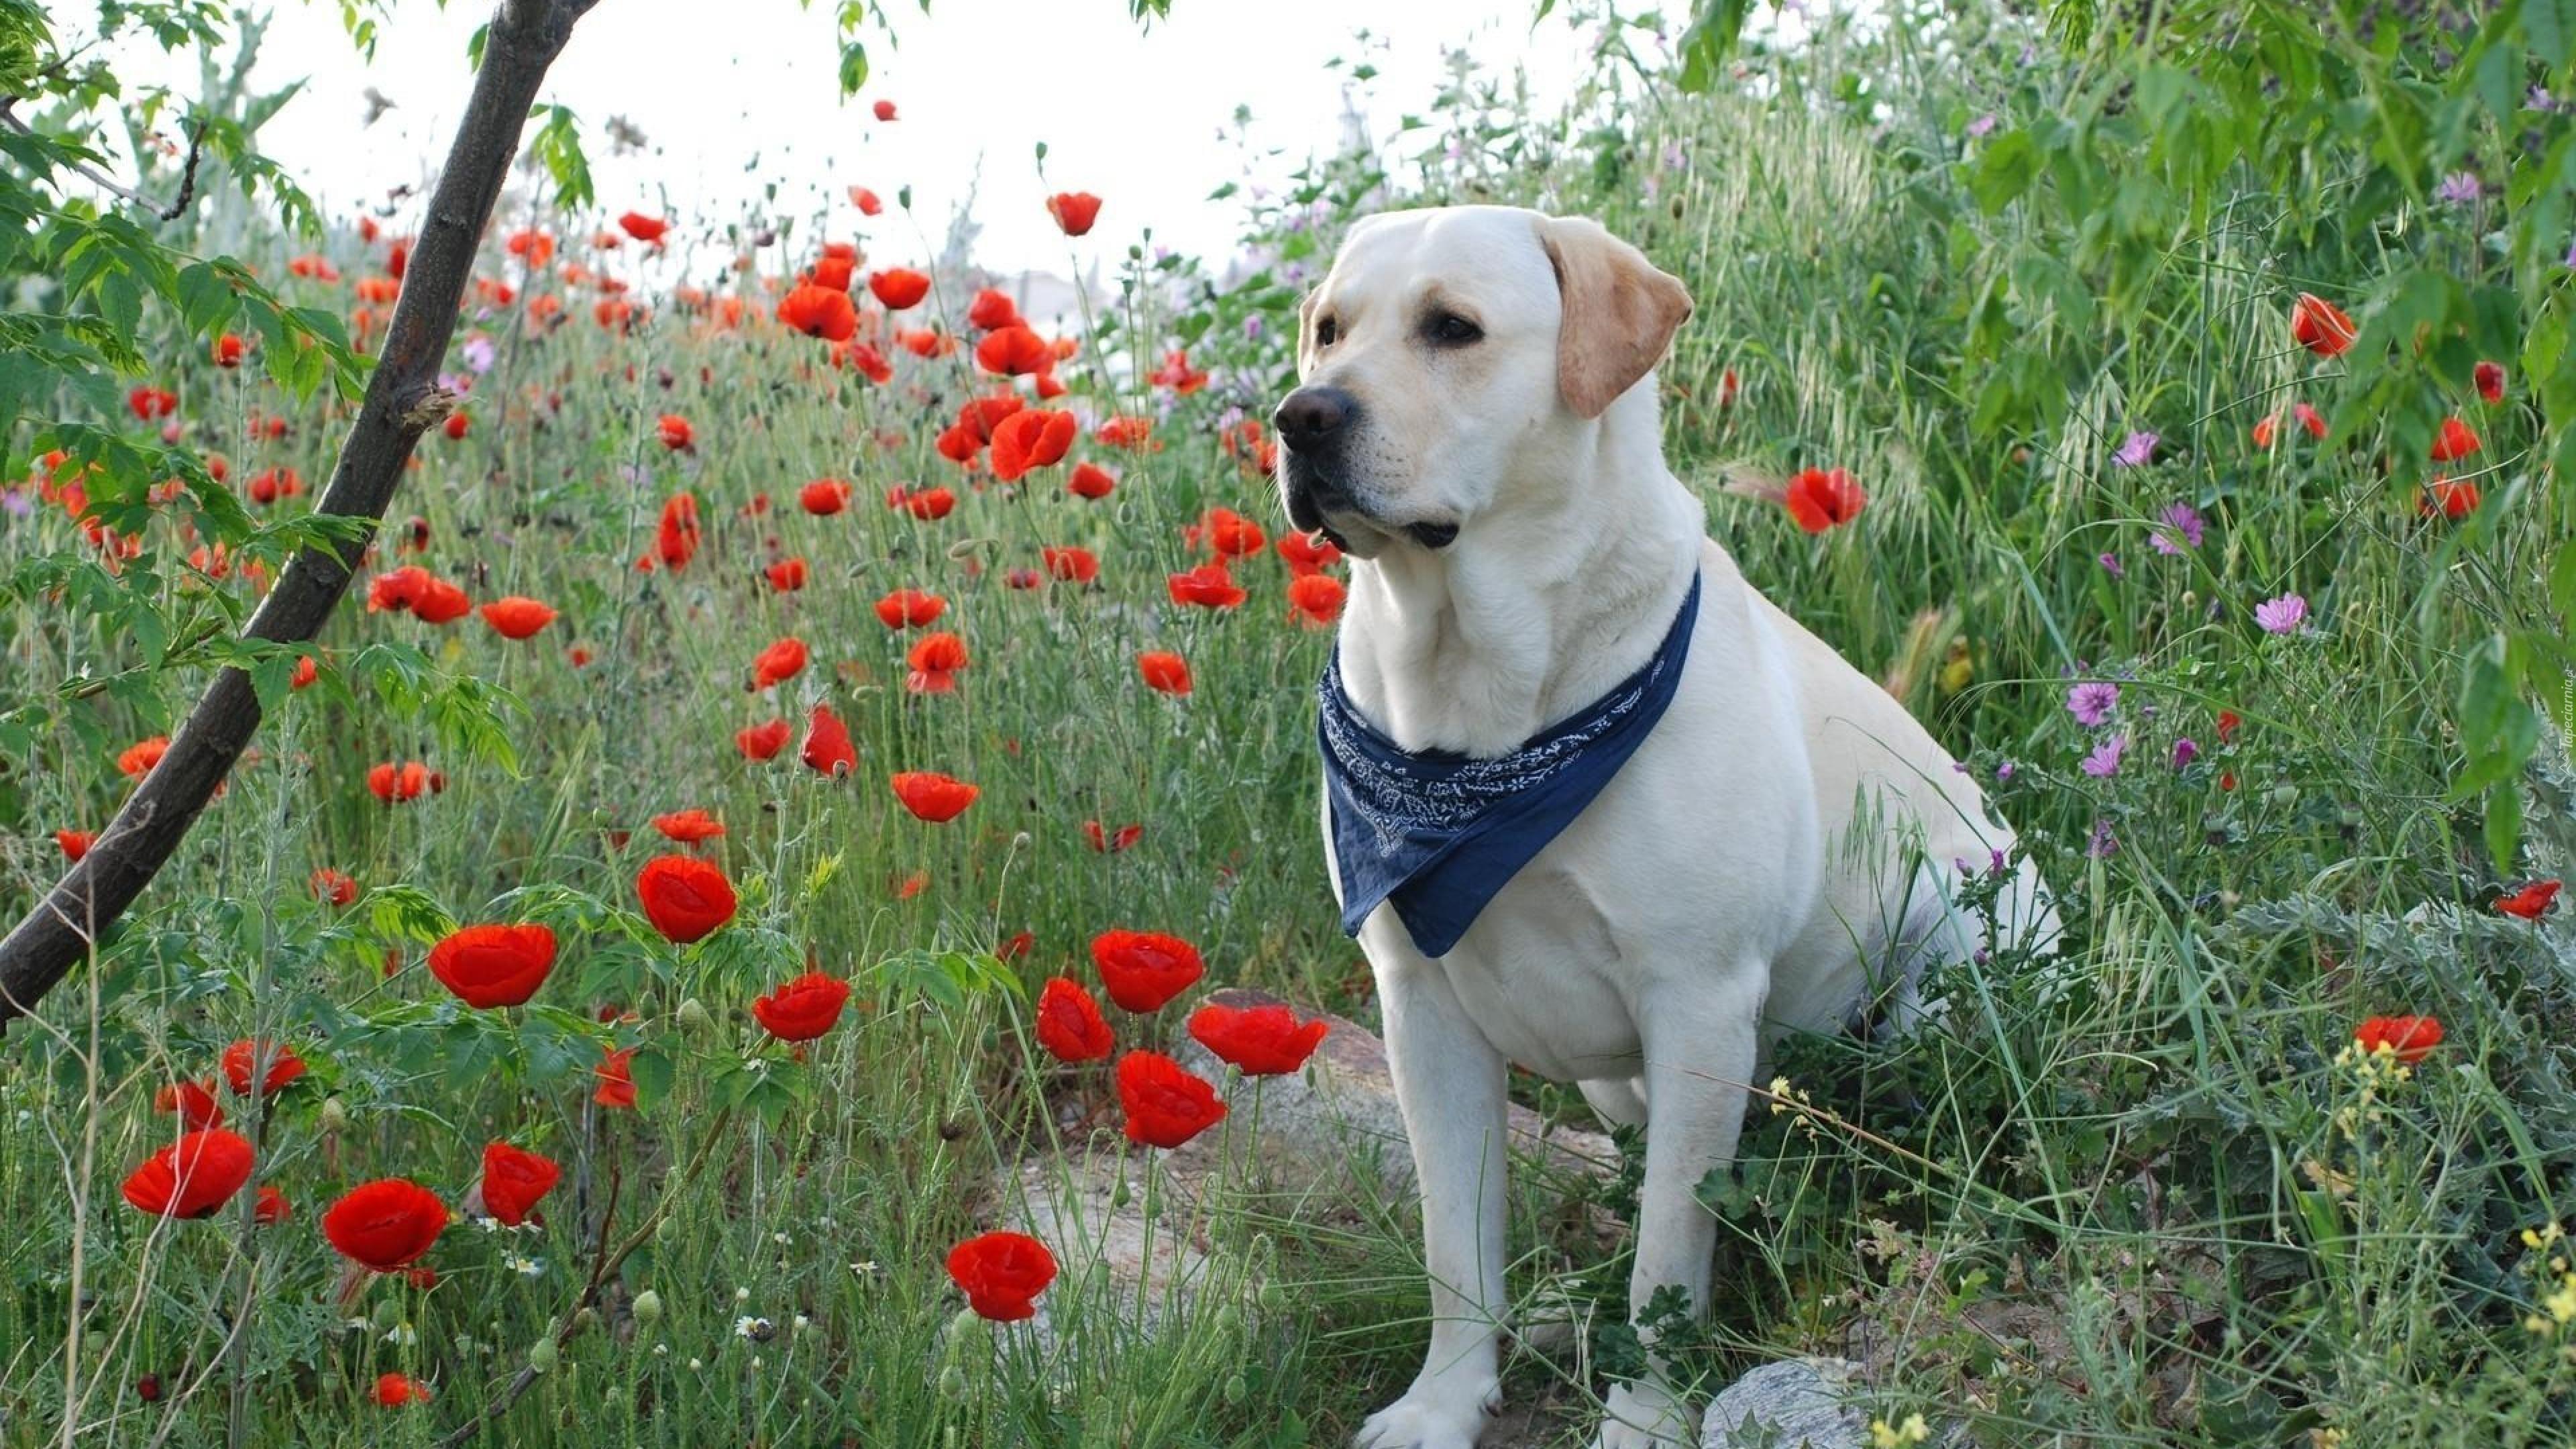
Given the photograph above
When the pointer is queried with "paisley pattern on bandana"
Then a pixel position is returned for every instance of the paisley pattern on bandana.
(1439, 834)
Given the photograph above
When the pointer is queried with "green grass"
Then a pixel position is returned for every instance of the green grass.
(2151, 1208)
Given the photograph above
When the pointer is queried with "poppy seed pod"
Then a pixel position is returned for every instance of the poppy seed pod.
(542, 1356)
(648, 1308)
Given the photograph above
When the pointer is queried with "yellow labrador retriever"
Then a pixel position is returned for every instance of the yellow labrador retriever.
(1768, 846)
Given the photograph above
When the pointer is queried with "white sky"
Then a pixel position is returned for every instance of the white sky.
(737, 95)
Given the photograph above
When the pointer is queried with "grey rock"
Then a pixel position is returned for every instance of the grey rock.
(1798, 1403)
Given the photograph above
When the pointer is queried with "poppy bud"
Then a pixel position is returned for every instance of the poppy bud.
(1235, 1389)
(586, 1318)
(952, 1382)
(693, 1017)
(1273, 1298)
(648, 1308)
(388, 1315)
(335, 1116)
(542, 1358)
(2285, 795)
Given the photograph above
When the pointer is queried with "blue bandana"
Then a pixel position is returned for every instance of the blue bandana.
(1439, 833)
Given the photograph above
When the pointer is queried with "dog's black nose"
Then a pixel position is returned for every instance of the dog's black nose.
(1314, 417)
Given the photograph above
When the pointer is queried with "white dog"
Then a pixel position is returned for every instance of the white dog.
(1477, 428)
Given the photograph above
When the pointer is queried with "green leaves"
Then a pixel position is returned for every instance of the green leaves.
(558, 147)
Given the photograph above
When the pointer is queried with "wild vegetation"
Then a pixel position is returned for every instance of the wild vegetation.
(2167, 406)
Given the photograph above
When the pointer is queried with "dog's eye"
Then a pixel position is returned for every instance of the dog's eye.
(1451, 330)
(1325, 332)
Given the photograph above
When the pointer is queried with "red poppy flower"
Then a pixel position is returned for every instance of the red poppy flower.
(2455, 441)
(823, 312)
(1074, 211)
(494, 965)
(228, 350)
(1125, 431)
(194, 1102)
(513, 1181)
(688, 827)
(516, 617)
(832, 271)
(394, 784)
(394, 1390)
(1013, 350)
(933, 797)
(1177, 374)
(804, 1008)
(1070, 565)
(2320, 326)
(684, 897)
(788, 575)
(148, 403)
(1264, 1041)
(441, 602)
(866, 201)
(1002, 1274)
(1166, 1105)
(762, 741)
(1209, 586)
(616, 1079)
(1032, 438)
(930, 504)
(827, 744)
(191, 1177)
(675, 542)
(333, 887)
(824, 497)
(2229, 722)
(457, 426)
(1820, 500)
(1110, 844)
(899, 287)
(780, 662)
(1069, 1023)
(674, 431)
(1307, 554)
(1317, 598)
(1142, 970)
(643, 228)
(139, 757)
(1164, 671)
(242, 1057)
(306, 671)
(1090, 481)
(2411, 1038)
(2490, 381)
(396, 590)
(2531, 902)
(2452, 498)
(994, 310)
(935, 660)
(909, 609)
(75, 843)
(386, 1224)
(271, 1207)
(884, 110)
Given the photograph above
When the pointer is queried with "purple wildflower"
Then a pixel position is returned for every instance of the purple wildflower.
(2283, 615)
(2185, 751)
(2111, 566)
(2004, 771)
(2104, 844)
(2137, 450)
(2092, 702)
(2104, 762)
(2461, 187)
(1978, 128)
(2182, 521)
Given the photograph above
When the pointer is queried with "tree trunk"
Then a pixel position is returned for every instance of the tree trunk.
(402, 401)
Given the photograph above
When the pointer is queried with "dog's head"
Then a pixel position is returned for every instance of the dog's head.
(1448, 350)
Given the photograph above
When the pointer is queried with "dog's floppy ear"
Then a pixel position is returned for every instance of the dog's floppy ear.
(1306, 327)
(1620, 312)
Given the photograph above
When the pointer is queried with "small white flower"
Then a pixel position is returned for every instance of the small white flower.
(661, 1350)
(696, 1364)
(402, 1336)
(525, 1267)
(803, 1323)
(780, 1239)
(742, 1295)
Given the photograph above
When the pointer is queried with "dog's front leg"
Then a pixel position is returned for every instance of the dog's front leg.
(1449, 1083)
(1700, 1049)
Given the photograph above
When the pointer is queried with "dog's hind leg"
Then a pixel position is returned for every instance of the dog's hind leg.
(1617, 1101)
(1701, 1045)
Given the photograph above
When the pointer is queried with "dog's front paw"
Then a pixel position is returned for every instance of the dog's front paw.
(1449, 1412)
(1646, 1417)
